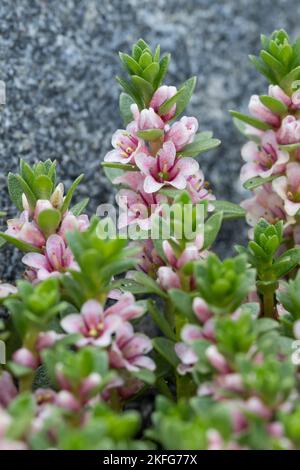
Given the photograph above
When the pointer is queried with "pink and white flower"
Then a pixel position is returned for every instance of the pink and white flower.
(129, 350)
(182, 133)
(288, 188)
(25, 358)
(126, 308)
(126, 145)
(26, 231)
(57, 259)
(95, 325)
(7, 289)
(146, 119)
(166, 169)
(289, 131)
(167, 278)
(71, 222)
(8, 390)
(197, 189)
(263, 113)
(276, 92)
(264, 159)
(163, 94)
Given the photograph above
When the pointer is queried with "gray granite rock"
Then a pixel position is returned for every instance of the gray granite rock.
(58, 59)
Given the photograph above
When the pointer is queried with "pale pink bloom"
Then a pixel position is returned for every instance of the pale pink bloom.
(89, 385)
(41, 205)
(296, 329)
(46, 339)
(192, 252)
(182, 133)
(289, 131)
(232, 382)
(217, 360)
(276, 429)
(214, 440)
(138, 208)
(296, 99)
(276, 92)
(201, 310)
(167, 278)
(257, 407)
(146, 119)
(197, 189)
(187, 357)
(57, 197)
(25, 358)
(7, 289)
(288, 188)
(71, 222)
(263, 113)
(264, 204)
(126, 308)
(57, 259)
(8, 390)
(208, 331)
(132, 179)
(264, 159)
(126, 145)
(65, 399)
(44, 396)
(128, 350)
(26, 231)
(161, 95)
(166, 169)
(95, 326)
(148, 259)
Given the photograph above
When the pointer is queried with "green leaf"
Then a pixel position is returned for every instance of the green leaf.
(182, 302)
(262, 68)
(112, 173)
(130, 64)
(273, 104)
(147, 283)
(251, 120)
(125, 101)
(151, 72)
(211, 229)
(163, 68)
(145, 59)
(49, 220)
(120, 166)
(15, 190)
(165, 348)
(168, 104)
(43, 187)
(185, 96)
(242, 128)
(23, 246)
(145, 375)
(145, 88)
(277, 68)
(286, 262)
(230, 210)
(290, 147)
(287, 81)
(69, 194)
(78, 208)
(257, 181)
(160, 319)
(26, 189)
(26, 173)
(150, 134)
(131, 90)
(199, 146)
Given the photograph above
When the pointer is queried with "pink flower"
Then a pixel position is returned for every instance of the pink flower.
(296, 99)
(138, 208)
(57, 259)
(8, 390)
(201, 310)
(25, 358)
(266, 204)
(276, 92)
(187, 357)
(264, 159)
(257, 407)
(126, 308)
(146, 119)
(167, 278)
(46, 339)
(126, 145)
(128, 350)
(182, 132)
(289, 132)
(192, 252)
(66, 400)
(217, 360)
(71, 222)
(197, 189)
(263, 113)
(165, 169)
(26, 231)
(93, 324)
(7, 289)
(288, 188)
(161, 95)
(41, 205)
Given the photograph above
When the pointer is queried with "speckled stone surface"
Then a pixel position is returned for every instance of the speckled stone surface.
(58, 59)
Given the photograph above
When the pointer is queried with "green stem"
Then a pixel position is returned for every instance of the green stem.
(25, 383)
(268, 301)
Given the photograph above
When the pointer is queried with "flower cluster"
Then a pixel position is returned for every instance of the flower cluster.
(272, 156)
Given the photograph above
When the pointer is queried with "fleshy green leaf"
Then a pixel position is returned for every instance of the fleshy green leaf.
(150, 134)
(165, 348)
(23, 246)
(211, 229)
(125, 101)
(273, 104)
(15, 190)
(229, 209)
(185, 96)
(257, 181)
(251, 120)
(78, 208)
(69, 194)
(49, 220)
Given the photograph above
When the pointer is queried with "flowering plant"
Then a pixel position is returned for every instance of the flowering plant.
(222, 343)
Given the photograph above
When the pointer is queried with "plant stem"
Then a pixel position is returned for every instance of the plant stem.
(268, 301)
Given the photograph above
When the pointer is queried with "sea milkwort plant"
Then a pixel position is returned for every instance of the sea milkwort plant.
(221, 353)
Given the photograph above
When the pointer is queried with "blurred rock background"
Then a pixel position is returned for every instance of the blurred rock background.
(59, 58)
